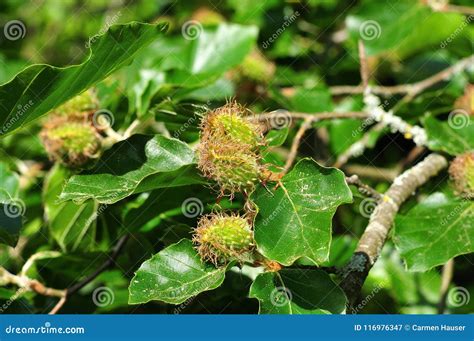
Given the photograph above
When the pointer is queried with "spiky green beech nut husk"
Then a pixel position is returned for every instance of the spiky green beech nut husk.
(220, 238)
(78, 105)
(462, 173)
(228, 150)
(257, 68)
(230, 122)
(69, 141)
(234, 170)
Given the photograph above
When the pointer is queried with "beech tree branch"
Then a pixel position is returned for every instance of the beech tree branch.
(279, 119)
(108, 263)
(296, 143)
(446, 277)
(364, 67)
(26, 283)
(313, 117)
(358, 146)
(104, 266)
(451, 8)
(374, 237)
(363, 188)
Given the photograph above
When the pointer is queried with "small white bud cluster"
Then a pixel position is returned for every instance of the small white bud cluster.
(357, 149)
(372, 106)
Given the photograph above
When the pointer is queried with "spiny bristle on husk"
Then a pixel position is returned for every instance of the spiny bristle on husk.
(221, 238)
(233, 169)
(462, 174)
(70, 142)
(228, 150)
(230, 121)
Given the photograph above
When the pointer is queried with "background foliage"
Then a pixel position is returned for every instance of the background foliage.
(165, 77)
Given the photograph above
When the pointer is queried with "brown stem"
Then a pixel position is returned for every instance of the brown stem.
(412, 156)
(344, 157)
(447, 8)
(41, 289)
(446, 278)
(58, 306)
(363, 188)
(374, 237)
(376, 173)
(30, 284)
(313, 117)
(107, 264)
(296, 143)
(364, 69)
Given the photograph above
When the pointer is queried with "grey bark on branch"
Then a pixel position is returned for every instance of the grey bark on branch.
(381, 221)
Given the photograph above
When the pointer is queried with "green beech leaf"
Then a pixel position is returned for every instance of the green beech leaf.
(186, 175)
(277, 137)
(350, 129)
(295, 220)
(72, 226)
(435, 230)
(311, 100)
(9, 183)
(297, 291)
(173, 275)
(10, 224)
(137, 164)
(39, 88)
(455, 136)
(11, 208)
(190, 202)
(402, 26)
(213, 52)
